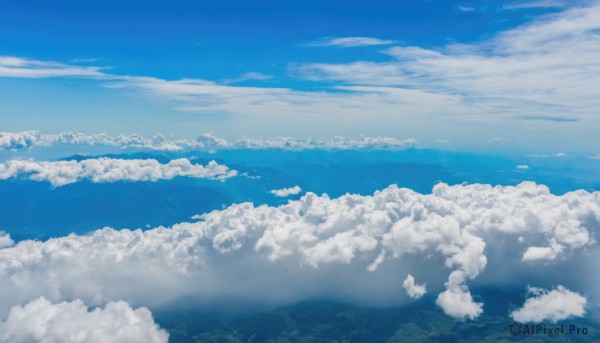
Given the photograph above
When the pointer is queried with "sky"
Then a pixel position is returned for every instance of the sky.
(155, 155)
(474, 75)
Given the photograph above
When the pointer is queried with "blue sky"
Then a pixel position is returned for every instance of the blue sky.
(492, 75)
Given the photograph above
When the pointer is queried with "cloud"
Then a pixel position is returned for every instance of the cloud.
(557, 304)
(442, 141)
(285, 192)
(415, 291)
(29, 139)
(558, 154)
(85, 60)
(26, 68)
(100, 170)
(540, 67)
(71, 322)
(5, 240)
(550, 252)
(348, 42)
(251, 76)
(466, 8)
(523, 166)
(317, 247)
(205, 142)
(535, 4)
(550, 118)
(547, 65)
(456, 301)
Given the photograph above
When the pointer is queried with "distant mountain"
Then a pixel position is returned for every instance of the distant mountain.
(327, 321)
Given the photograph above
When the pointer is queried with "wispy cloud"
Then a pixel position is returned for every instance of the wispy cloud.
(348, 42)
(463, 8)
(549, 118)
(85, 60)
(251, 76)
(535, 4)
(547, 66)
(558, 154)
(26, 68)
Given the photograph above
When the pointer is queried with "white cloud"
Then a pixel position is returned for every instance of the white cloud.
(535, 4)
(348, 42)
(522, 166)
(26, 68)
(466, 8)
(18, 140)
(543, 253)
(546, 70)
(558, 154)
(5, 240)
(285, 192)
(557, 304)
(99, 170)
(312, 247)
(29, 139)
(205, 142)
(415, 291)
(456, 301)
(71, 322)
(251, 76)
(541, 67)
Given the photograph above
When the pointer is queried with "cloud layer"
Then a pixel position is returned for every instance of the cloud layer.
(317, 247)
(285, 192)
(71, 322)
(99, 170)
(205, 142)
(554, 305)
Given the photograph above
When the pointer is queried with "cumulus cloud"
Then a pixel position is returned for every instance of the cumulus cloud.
(456, 301)
(348, 42)
(554, 305)
(71, 322)
(100, 170)
(5, 240)
(285, 192)
(415, 291)
(205, 142)
(312, 247)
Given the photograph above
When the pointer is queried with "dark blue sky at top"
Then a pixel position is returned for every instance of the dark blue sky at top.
(220, 39)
